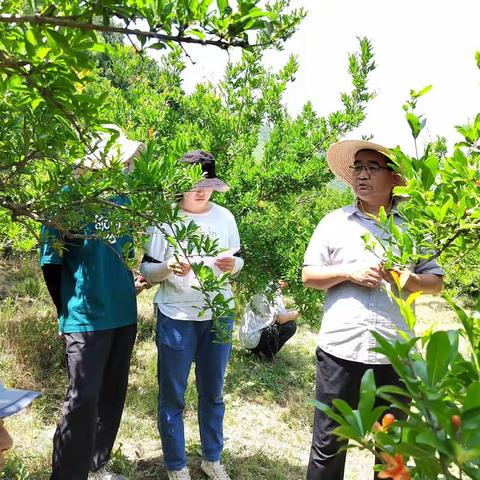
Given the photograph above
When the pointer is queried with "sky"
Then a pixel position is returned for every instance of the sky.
(416, 43)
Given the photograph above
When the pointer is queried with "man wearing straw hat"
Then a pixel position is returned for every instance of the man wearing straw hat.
(357, 302)
(94, 293)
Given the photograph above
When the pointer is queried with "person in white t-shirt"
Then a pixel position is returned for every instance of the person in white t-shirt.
(182, 336)
(267, 324)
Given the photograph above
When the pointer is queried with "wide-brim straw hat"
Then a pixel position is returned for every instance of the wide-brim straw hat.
(341, 155)
(122, 149)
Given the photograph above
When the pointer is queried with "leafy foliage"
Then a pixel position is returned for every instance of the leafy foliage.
(48, 118)
(273, 162)
(443, 388)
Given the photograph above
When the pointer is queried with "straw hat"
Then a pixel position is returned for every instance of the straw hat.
(207, 162)
(341, 155)
(122, 149)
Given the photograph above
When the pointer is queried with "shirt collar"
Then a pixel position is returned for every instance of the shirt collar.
(354, 209)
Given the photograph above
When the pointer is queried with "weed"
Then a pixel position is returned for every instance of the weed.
(15, 469)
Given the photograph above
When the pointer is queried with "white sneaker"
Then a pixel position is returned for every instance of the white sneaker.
(214, 470)
(111, 476)
(182, 474)
(104, 474)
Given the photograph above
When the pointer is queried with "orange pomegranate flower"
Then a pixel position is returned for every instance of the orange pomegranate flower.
(387, 420)
(395, 468)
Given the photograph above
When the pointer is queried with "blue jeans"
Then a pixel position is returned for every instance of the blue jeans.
(179, 343)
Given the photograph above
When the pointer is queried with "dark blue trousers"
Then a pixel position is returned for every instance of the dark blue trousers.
(180, 343)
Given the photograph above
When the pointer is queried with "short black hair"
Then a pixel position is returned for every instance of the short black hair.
(388, 162)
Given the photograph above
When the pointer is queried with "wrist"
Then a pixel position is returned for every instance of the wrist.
(170, 264)
(346, 273)
(412, 282)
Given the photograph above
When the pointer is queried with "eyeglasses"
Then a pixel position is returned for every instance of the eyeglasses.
(370, 169)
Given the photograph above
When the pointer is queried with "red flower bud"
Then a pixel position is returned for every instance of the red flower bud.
(456, 422)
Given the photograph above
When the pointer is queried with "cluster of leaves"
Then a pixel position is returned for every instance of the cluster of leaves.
(446, 190)
(46, 63)
(441, 196)
(441, 396)
(280, 185)
(48, 117)
(55, 97)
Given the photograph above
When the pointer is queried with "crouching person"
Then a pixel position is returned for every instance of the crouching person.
(267, 324)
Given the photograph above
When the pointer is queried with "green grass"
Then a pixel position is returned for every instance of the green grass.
(267, 423)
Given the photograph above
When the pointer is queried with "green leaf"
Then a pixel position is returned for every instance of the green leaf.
(196, 33)
(472, 398)
(30, 37)
(413, 296)
(36, 102)
(414, 122)
(438, 357)
(367, 397)
(222, 5)
(429, 438)
(42, 52)
(158, 46)
(424, 90)
(328, 411)
(100, 47)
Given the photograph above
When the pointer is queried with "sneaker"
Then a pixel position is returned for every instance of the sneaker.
(214, 470)
(182, 474)
(111, 476)
(104, 474)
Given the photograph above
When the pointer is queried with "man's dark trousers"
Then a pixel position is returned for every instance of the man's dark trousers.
(98, 364)
(338, 378)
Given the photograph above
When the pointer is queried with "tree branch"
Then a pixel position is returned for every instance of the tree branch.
(67, 22)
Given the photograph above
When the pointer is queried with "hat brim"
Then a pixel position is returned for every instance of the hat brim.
(341, 156)
(12, 401)
(213, 184)
(122, 150)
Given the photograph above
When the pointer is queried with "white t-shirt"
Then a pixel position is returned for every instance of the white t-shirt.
(175, 297)
(259, 313)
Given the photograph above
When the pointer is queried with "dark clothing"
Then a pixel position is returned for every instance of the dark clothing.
(98, 364)
(274, 337)
(53, 279)
(339, 378)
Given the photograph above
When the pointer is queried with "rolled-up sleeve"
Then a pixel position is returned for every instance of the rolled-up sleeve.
(155, 264)
(430, 266)
(317, 253)
(234, 244)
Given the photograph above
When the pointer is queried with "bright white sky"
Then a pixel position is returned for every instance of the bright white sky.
(416, 43)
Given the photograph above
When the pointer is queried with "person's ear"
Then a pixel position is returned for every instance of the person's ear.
(397, 180)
